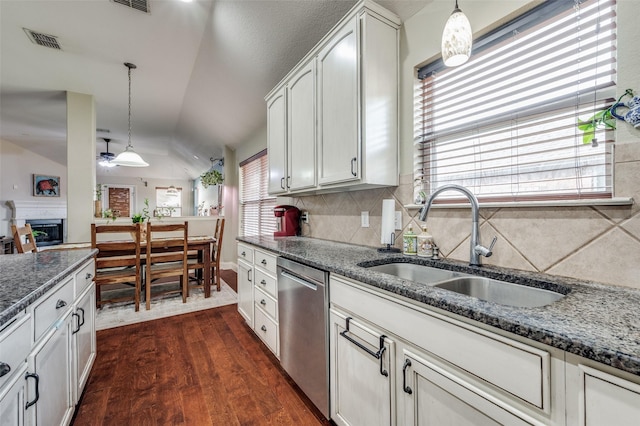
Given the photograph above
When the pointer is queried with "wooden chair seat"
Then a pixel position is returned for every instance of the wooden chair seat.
(114, 268)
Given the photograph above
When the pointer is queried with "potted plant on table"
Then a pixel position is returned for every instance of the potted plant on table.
(140, 218)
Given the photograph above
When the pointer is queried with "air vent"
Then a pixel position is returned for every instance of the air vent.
(141, 5)
(41, 39)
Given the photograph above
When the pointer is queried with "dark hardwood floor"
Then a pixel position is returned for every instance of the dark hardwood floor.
(230, 277)
(203, 368)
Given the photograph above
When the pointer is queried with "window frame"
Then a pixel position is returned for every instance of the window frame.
(262, 201)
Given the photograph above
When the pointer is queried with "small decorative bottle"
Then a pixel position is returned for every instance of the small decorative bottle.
(410, 242)
(425, 243)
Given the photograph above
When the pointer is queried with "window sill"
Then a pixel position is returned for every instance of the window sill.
(616, 201)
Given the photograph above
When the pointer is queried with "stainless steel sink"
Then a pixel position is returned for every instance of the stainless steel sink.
(418, 273)
(500, 292)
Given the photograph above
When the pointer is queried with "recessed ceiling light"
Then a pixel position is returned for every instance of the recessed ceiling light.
(187, 1)
(196, 157)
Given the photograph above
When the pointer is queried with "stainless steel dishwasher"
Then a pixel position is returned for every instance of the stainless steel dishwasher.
(303, 305)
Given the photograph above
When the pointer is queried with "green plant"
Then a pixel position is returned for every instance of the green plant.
(98, 192)
(141, 217)
(37, 234)
(601, 119)
(211, 177)
(110, 215)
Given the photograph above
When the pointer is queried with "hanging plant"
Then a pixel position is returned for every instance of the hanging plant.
(211, 177)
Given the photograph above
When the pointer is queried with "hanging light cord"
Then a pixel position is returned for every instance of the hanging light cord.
(130, 66)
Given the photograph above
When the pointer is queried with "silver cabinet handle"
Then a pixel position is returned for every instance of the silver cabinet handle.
(263, 328)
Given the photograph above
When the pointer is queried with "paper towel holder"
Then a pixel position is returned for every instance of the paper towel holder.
(388, 248)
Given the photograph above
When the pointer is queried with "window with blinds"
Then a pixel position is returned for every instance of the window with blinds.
(256, 207)
(505, 124)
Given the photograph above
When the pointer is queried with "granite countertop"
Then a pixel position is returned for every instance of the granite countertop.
(26, 277)
(595, 321)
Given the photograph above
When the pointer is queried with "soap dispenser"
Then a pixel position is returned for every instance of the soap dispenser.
(410, 242)
(425, 243)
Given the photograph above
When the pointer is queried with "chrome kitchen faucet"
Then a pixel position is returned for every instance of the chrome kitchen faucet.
(476, 248)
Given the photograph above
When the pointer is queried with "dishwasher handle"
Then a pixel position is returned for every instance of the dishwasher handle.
(299, 280)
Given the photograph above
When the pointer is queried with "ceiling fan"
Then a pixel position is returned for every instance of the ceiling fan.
(106, 157)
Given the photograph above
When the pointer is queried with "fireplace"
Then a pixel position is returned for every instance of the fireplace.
(48, 217)
(47, 232)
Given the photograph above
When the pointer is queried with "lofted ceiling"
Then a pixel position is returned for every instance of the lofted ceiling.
(203, 69)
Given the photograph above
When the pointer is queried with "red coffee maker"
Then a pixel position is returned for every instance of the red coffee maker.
(288, 222)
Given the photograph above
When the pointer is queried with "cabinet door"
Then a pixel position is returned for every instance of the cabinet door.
(84, 340)
(302, 129)
(338, 108)
(245, 291)
(12, 400)
(432, 396)
(361, 384)
(51, 362)
(277, 141)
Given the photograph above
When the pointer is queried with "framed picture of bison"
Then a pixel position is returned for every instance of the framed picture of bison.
(46, 186)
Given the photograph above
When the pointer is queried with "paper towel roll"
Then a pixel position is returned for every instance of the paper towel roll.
(388, 221)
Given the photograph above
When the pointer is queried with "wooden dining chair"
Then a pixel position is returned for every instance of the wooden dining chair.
(118, 262)
(197, 265)
(167, 248)
(29, 246)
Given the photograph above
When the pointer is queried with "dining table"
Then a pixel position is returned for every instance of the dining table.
(197, 243)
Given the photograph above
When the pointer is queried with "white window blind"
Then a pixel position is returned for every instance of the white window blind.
(505, 123)
(256, 207)
(168, 203)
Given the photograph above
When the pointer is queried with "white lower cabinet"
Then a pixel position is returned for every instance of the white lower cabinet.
(433, 369)
(245, 291)
(49, 394)
(47, 352)
(362, 374)
(84, 340)
(12, 399)
(599, 395)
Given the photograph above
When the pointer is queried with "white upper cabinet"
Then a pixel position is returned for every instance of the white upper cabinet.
(301, 143)
(340, 129)
(277, 141)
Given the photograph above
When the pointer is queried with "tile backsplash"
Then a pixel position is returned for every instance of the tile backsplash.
(599, 243)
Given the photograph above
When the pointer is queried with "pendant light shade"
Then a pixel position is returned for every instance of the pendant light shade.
(456, 39)
(129, 157)
(172, 191)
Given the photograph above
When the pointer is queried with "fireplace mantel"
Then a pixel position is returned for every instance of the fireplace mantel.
(23, 209)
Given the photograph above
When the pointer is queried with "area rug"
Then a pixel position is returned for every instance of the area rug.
(119, 314)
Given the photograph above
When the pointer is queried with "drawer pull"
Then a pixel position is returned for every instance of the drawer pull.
(376, 355)
(263, 282)
(353, 163)
(243, 254)
(88, 276)
(263, 328)
(78, 324)
(263, 302)
(37, 378)
(249, 275)
(82, 320)
(4, 369)
(61, 304)
(407, 364)
(264, 262)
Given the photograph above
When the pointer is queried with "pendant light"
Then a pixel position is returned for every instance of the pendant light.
(456, 39)
(129, 157)
(172, 191)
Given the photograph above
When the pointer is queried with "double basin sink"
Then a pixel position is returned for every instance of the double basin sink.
(483, 288)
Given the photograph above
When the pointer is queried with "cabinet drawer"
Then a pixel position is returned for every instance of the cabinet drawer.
(14, 347)
(266, 283)
(267, 330)
(245, 253)
(53, 306)
(266, 303)
(607, 399)
(265, 261)
(482, 354)
(84, 278)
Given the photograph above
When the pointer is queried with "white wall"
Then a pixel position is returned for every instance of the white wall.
(17, 167)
